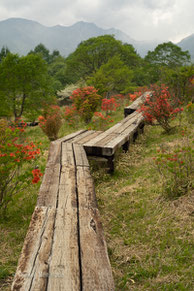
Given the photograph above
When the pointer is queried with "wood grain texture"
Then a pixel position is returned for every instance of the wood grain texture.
(49, 188)
(36, 249)
(89, 137)
(96, 269)
(67, 158)
(80, 156)
(69, 137)
(64, 269)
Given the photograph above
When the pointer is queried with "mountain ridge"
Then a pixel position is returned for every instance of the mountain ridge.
(21, 35)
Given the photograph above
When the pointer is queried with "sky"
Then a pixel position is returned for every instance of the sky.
(140, 19)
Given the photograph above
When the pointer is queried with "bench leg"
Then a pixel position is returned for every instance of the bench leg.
(141, 127)
(135, 135)
(126, 146)
(110, 162)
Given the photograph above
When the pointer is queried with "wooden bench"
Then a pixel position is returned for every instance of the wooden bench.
(65, 248)
(135, 105)
(105, 144)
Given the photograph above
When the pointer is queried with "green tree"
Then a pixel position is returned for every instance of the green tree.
(168, 54)
(4, 52)
(41, 50)
(91, 54)
(112, 77)
(56, 70)
(179, 81)
(24, 84)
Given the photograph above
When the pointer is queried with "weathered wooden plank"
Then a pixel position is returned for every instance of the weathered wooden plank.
(110, 148)
(54, 153)
(134, 120)
(89, 137)
(98, 139)
(64, 268)
(49, 187)
(96, 269)
(71, 136)
(67, 158)
(106, 139)
(84, 134)
(34, 256)
(80, 156)
(134, 106)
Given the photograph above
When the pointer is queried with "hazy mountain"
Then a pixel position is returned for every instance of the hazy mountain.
(22, 35)
(188, 44)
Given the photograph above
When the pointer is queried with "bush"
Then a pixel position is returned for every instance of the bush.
(16, 153)
(51, 122)
(175, 167)
(70, 115)
(100, 122)
(160, 106)
(86, 101)
(109, 105)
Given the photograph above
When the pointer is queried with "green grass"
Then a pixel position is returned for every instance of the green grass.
(149, 237)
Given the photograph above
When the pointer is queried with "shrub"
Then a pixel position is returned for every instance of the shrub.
(109, 105)
(190, 112)
(51, 121)
(70, 115)
(160, 106)
(175, 167)
(86, 100)
(16, 154)
(100, 122)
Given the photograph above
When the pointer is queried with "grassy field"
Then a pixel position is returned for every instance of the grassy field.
(149, 237)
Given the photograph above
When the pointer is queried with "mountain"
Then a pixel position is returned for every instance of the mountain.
(188, 44)
(22, 35)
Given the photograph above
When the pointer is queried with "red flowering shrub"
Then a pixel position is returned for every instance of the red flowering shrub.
(86, 100)
(70, 115)
(100, 121)
(15, 154)
(120, 99)
(160, 106)
(138, 93)
(51, 121)
(109, 105)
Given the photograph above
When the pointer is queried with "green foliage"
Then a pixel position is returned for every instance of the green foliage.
(42, 51)
(4, 52)
(176, 168)
(180, 81)
(91, 54)
(112, 77)
(56, 70)
(24, 85)
(168, 54)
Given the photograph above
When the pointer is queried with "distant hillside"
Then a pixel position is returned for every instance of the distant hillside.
(188, 44)
(22, 35)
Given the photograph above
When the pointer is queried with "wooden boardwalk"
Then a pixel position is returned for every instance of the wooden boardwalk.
(65, 247)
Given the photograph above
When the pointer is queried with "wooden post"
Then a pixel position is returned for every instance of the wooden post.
(110, 162)
(126, 146)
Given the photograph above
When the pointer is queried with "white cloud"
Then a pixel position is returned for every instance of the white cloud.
(140, 19)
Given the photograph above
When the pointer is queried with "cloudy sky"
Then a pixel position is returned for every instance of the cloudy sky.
(140, 19)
